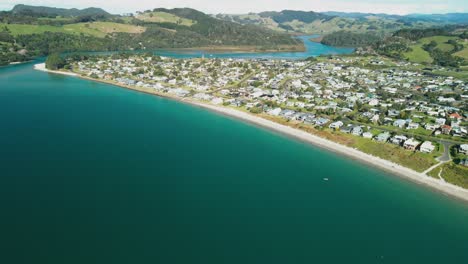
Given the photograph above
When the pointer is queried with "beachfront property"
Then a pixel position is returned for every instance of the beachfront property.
(367, 135)
(336, 125)
(383, 137)
(357, 131)
(427, 147)
(411, 144)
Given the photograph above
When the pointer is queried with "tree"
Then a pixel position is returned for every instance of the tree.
(256, 110)
(55, 62)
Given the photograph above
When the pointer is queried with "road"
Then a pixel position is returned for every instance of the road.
(446, 156)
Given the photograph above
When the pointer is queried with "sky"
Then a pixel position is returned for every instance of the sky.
(244, 6)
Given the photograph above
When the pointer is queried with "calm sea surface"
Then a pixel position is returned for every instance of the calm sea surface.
(92, 173)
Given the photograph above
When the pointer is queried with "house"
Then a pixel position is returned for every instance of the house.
(275, 112)
(357, 131)
(413, 126)
(456, 116)
(287, 113)
(463, 149)
(347, 129)
(367, 135)
(440, 121)
(374, 102)
(431, 127)
(310, 120)
(399, 123)
(375, 118)
(411, 144)
(336, 125)
(217, 101)
(399, 139)
(393, 113)
(321, 121)
(383, 137)
(427, 147)
(446, 129)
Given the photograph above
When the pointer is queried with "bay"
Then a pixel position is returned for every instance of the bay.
(92, 173)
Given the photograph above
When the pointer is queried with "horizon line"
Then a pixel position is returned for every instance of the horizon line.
(237, 13)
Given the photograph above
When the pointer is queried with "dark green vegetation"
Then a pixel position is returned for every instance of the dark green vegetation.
(54, 12)
(350, 39)
(40, 31)
(10, 51)
(54, 62)
(291, 15)
(207, 31)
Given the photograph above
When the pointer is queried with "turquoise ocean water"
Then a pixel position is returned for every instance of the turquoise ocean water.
(92, 173)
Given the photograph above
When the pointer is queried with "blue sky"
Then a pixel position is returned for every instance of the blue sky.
(244, 6)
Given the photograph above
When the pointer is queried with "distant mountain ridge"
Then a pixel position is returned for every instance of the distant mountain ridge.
(52, 11)
(291, 15)
(328, 22)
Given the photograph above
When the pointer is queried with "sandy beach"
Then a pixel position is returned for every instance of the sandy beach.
(42, 67)
(420, 178)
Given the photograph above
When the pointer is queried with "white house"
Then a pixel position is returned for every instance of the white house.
(368, 135)
(464, 149)
(357, 131)
(411, 144)
(275, 112)
(413, 126)
(427, 147)
(336, 125)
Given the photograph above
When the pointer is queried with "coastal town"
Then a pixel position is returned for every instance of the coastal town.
(369, 103)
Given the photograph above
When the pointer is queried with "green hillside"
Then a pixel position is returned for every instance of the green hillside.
(52, 11)
(97, 29)
(324, 23)
(419, 55)
(463, 53)
(163, 17)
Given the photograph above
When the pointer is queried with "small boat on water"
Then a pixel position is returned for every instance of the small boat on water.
(325, 179)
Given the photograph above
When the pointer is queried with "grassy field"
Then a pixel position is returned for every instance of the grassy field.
(415, 160)
(162, 17)
(20, 29)
(463, 53)
(441, 42)
(97, 29)
(59, 19)
(101, 29)
(459, 75)
(453, 173)
(419, 55)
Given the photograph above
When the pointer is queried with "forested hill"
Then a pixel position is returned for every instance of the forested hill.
(52, 11)
(291, 15)
(208, 30)
(350, 39)
(30, 31)
(445, 46)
